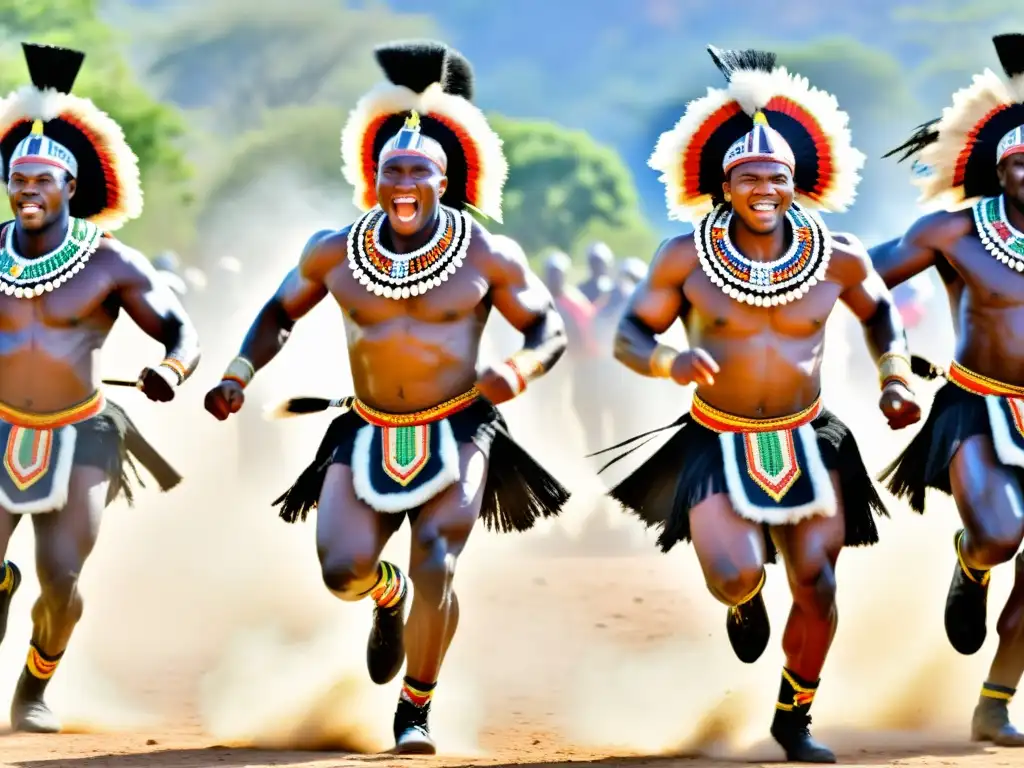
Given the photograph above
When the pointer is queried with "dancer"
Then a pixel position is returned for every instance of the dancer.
(415, 277)
(759, 463)
(71, 179)
(972, 444)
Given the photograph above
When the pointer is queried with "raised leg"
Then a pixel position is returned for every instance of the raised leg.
(349, 539)
(438, 537)
(989, 500)
(731, 552)
(64, 540)
(10, 576)
(810, 550)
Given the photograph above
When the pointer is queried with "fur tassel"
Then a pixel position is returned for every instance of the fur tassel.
(729, 61)
(415, 65)
(52, 67)
(301, 406)
(1010, 50)
(924, 369)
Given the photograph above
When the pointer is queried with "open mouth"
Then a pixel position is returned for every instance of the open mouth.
(29, 209)
(765, 206)
(405, 207)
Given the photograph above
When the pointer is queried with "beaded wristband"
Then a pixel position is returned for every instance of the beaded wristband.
(525, 367)
(894, 367)
(661, 361)
(177, 366)
(240, 371)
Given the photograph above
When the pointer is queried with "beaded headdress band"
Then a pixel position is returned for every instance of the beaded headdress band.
(410, 140)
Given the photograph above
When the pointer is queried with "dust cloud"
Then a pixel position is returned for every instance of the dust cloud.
(204, 610)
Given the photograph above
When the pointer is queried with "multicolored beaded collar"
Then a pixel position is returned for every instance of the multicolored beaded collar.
(997, 234)
(764, 284)
(27, 278)
(401, 275)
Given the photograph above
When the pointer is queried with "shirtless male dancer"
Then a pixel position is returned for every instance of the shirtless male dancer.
(71, 179)
(416, 277)
(972, 444)
(759, 463)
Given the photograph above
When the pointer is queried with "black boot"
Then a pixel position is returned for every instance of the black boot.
(967, 605)
(412, 734)
(791, 726)
(748, 627)
(385, 650)
(11, 581)
(991, 720)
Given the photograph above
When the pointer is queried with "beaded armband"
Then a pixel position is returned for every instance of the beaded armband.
(661, 361)
(526, 368)
(894, 367)
(240, 371)
(177, 366)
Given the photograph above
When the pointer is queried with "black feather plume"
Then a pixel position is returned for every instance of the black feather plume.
(52, 67)
(416, 64)
(729, 61)
(1010, 50)
(458, 75)
(923, 135)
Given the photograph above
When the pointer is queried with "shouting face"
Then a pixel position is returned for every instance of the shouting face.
(39, 195)
(761, 194)
(1011, 179)
(409, 189)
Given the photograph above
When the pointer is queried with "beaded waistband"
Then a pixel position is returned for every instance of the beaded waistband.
(977, 384)
(720, 421)
(76, 413)
(434, 413)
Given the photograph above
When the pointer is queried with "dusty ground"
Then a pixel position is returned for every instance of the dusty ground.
(525, 710)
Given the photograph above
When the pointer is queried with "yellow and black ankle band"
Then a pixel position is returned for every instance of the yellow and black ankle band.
(976, 575)
(998, 692)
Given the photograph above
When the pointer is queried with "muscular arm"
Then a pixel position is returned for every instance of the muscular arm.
(153, 306)
(655, 304)
(300, 291)
(523, 299)
(900, 259)
(865, 293)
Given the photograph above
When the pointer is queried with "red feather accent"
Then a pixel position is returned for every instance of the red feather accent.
(111, 182)
(965, 154)
(469, 149)
(471, 153)
(692, 152)
(370, 162)
(822, 145)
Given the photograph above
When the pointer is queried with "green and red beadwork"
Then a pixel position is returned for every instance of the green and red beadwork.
(27, 278)
(999, 237)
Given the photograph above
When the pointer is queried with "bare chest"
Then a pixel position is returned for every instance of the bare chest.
(463, 295)
(713, 313)
(85, 300)
(988, 281)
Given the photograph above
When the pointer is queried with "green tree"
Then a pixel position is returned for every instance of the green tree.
(153, 130)
(241, 60)
(561, 184)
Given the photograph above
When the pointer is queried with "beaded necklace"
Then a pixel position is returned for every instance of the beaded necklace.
(770, 283)
(997, 234)
(26, 278)
(401, 275)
